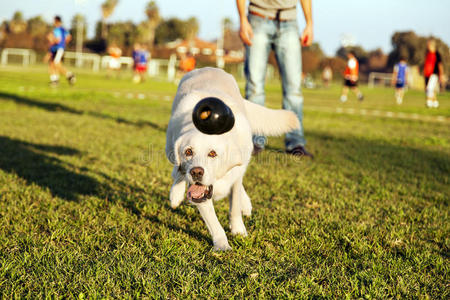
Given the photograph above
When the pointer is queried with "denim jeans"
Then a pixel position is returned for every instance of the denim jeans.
(283, 38)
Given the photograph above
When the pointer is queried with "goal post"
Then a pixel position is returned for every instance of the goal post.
(381, 78)
(28, 55)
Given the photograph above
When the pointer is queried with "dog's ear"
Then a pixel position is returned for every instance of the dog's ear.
(234, 158)
(174, 154)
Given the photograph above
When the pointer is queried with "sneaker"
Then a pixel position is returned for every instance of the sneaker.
(399, 100)
(53, 83)
(435, 104)
(429, 103)
(360, 97)
(343, 98)
(257, 150)
(71, 79)
(300, 151)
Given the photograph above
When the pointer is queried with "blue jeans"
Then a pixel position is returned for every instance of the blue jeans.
(283, 38)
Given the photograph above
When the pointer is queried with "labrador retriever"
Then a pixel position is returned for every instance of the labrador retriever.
(209, 143)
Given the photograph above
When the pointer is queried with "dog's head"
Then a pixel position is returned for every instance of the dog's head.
(203, 159)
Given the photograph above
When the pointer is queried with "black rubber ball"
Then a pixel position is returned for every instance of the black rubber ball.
(212, 116)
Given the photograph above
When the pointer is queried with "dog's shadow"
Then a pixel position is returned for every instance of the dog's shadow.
(165, 218)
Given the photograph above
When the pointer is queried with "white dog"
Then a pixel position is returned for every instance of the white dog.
(213, 164)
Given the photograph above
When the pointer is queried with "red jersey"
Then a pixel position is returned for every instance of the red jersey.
(432, 60)
(352, 68)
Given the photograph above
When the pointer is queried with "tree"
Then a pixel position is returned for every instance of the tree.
(78, 18)
(107, 9)
(311, 58)
(359, 51)
(152, 12)
(191, 28)
(36, 26)
(17, 24)
(170, 30)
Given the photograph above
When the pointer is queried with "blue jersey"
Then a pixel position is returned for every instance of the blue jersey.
(140, 57)
(401, 69)
(59, 33)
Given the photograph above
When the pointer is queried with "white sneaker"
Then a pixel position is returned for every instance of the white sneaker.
(435, 104)
(343, 98)
(429, 103)
(399, 100)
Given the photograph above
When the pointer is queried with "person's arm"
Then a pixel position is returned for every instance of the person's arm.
(68, 37)
(394, 75)
(308, 33)
(245, 31)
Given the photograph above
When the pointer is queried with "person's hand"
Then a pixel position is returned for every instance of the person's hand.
(246, 32)
(307, 36)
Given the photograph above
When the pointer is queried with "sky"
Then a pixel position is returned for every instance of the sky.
(369, 23)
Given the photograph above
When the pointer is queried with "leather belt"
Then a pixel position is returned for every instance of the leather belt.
(266, 17)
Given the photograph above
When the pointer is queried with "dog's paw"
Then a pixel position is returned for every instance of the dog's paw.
(247, 211)
(174, 203)
(221, 245)
(238, 229)
(177, 194)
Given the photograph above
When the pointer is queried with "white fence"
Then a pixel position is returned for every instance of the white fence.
(384, 78)
(96, 61)
(28, 56)
(82, 58)
(124, 60)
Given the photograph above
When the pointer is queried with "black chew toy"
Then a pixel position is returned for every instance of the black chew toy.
(212, 116)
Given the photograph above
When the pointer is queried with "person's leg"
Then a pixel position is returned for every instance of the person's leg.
(288, 55)
(255, 65)
(344, 94)
(401, 92)
(432, 83)
(358, 93)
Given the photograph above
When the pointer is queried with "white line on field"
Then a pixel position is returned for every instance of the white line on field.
(339, 110)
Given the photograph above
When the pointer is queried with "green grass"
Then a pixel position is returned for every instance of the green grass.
(84, 212)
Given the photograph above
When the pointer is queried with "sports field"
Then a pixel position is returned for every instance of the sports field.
(84, 209)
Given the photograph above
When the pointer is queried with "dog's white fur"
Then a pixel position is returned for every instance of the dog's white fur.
(225, 171)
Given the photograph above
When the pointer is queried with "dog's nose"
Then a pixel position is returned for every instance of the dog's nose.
(197, 173)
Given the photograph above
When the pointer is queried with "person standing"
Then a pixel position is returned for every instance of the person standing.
(327, 76)
(58, 40)
(399, 79)
(433, 71)
(351, 75)
(272, 24)
(114, 64)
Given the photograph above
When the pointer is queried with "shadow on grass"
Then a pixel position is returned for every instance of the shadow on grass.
(32, 163)
(397, 162)
(56, 107)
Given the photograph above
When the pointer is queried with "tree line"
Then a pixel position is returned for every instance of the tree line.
(156, 31)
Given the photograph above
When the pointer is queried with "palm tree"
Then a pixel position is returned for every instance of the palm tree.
(153, 21)
(107, 9)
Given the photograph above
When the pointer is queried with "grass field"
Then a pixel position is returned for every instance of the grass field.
(84, 210)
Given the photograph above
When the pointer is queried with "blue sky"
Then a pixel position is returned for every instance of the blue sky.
(369, 22)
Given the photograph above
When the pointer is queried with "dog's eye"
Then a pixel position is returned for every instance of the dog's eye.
(188, 152)
(212, 153)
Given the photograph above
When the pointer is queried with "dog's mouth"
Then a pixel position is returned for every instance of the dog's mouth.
(199, 193)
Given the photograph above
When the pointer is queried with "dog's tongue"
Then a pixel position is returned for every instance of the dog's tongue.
(196, 191)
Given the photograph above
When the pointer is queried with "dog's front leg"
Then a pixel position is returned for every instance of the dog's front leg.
(208, 214)
(236, 200)
(178, 188)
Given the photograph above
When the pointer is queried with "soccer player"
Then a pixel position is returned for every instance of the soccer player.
(399, 79)
(351, 77)
(140, 57)
(58, 40)
(114, 62)
(433, 71)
